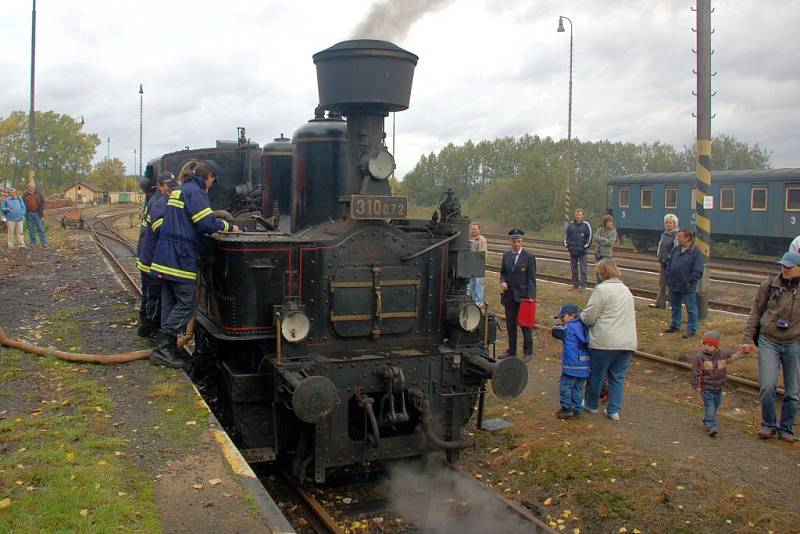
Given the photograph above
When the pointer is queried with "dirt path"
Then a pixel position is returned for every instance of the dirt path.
(66, 296)
(656, 470)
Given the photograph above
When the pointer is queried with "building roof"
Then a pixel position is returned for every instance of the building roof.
(767, 175)
(87, 185)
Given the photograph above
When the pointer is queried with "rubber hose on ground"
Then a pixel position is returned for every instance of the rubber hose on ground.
(104, 359)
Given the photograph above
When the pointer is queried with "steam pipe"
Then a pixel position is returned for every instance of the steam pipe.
(435, 245)
(427, 427)
(376, 434)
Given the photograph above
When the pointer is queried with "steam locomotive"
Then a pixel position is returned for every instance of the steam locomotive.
(336, 330)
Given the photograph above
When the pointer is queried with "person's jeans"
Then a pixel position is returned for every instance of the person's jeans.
(178, 300)
(578, 266)
(570, 393)
(771, 357)
(476, 290)
(690, 300)
(711, 401)
(611, 363)
(36, 225)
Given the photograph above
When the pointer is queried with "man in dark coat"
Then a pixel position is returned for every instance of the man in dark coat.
(517, 282)
(684, 270)
(577, 239)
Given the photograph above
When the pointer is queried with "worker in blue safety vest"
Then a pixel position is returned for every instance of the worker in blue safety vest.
(151, 289)
(187, 218)
(151, 286)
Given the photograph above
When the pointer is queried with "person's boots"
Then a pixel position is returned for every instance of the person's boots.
(163, 352)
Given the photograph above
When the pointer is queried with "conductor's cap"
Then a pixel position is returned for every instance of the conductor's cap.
(516, 233)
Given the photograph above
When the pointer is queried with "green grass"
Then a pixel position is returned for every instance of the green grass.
(175, 407)
(64, 472)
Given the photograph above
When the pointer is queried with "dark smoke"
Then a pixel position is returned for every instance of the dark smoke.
(390, 20)
(439, 500)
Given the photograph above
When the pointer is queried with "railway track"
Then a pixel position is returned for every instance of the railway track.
(324, 513)
(739, 266)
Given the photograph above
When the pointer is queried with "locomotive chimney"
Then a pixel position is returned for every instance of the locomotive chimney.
(364, 80)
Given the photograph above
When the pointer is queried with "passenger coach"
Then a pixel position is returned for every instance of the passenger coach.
(759, 207)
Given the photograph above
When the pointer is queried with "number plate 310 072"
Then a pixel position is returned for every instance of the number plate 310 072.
(378, 207)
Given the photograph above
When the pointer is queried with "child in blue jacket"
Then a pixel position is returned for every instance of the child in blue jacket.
(574, 362)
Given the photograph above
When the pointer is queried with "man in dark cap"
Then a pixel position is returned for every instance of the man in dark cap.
(517, 282)
(187, 218)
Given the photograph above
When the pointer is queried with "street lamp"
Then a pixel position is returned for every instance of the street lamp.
(567, 211)
(141, 96)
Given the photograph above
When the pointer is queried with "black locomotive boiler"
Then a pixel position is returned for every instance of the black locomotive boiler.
(351, 337)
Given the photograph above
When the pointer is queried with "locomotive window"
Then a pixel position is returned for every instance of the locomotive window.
(647, 197)
(624, 197)
(671, 197)
(758, 199)
(793, 198)
(727, 198)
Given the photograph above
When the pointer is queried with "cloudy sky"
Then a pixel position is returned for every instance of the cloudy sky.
(487, 68)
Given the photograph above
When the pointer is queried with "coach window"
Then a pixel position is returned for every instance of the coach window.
(727, 198)
(624, 197)
(793, 197)
(647, 197)
(671, 198)
(758, 199)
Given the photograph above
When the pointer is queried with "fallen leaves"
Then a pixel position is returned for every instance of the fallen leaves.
(5, 503)
(215, 481)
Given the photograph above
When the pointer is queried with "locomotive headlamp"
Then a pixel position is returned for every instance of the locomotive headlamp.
(295, 326)
(469, 317)
(380, 164)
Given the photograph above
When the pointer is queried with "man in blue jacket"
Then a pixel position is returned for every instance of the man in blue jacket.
(13, 209)
(577, 239)
(517, 282)
(188, 217)
(684, 270)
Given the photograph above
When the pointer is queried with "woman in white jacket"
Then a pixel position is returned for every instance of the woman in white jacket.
(611, 318)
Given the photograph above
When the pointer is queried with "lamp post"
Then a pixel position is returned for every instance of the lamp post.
(32, 119)
(567, 210)
(141, 97)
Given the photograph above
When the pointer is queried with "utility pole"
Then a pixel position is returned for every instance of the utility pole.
(567, 200)
(32, 117)
(108, 149)
(704, 201)
(141, 102)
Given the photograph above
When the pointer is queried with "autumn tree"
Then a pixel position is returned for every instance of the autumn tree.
(109, 175)
(63, 151)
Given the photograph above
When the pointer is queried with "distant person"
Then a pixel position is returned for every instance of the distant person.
(605, 237)
(187, 218)
(611, 318)
(665, 245)
(574, 360)
(710, 376)
(13, 208)
(479, 244)
(772, 326)
(517, 282)
(577, 239)
(34, 204)
(684, 271)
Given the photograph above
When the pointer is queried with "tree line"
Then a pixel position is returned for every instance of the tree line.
(64, 154)
(522, 180)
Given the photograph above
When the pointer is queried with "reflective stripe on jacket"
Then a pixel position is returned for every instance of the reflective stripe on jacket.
(186, 219)
(155, 217)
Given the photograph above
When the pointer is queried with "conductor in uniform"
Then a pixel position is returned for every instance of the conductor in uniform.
(517, 282)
